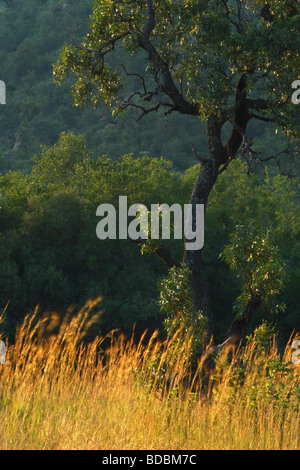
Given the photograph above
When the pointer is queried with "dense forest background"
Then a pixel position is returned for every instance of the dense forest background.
(59, 162)
(32, 36)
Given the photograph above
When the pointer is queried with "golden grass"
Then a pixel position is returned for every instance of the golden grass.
(56, 393)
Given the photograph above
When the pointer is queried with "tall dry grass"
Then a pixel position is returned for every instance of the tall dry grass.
(56, 392)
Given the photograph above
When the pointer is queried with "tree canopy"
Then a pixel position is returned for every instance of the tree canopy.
(201, 58)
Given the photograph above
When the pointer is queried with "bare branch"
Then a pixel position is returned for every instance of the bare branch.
(253, 157)
(144, 95)
(129, 74)
(201, 160)
(144, 110)
(261, 161)
(261, 118)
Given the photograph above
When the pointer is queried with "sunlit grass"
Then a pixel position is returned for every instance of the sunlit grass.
(57, 393)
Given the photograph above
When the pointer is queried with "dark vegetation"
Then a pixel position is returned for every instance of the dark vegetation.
(49, 253)
(31, 37)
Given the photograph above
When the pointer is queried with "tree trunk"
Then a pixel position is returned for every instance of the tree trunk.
(203, 186)
(218, 155)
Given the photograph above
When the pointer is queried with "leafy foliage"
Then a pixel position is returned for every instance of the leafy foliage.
(179, 312)
(258, 264)
(50, 254)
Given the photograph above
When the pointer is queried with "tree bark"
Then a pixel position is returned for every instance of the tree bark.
(219, 155)
(203, 186)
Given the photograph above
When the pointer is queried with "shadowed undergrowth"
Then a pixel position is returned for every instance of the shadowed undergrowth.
(60, 392)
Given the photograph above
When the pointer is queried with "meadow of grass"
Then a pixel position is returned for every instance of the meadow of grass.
(57, 392)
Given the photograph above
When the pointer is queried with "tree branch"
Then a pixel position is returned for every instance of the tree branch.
(162, 252)
(261, 118)
(238, 25)
(254, 157)
(165, 255)
(162, 68)
(257, 104)
(145, 95)
(241, 118)
(201, 160)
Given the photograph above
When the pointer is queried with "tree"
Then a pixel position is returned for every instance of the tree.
(226, 62)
